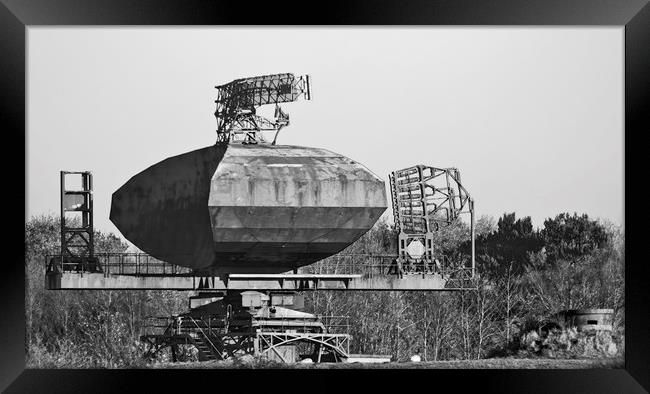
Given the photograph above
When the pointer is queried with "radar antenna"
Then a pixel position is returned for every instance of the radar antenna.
(237, 101)
(426, 199)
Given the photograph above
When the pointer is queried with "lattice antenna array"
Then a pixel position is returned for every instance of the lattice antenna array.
(237, 101)
(426, 199)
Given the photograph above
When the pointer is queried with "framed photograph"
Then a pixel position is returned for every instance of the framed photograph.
(220, 187)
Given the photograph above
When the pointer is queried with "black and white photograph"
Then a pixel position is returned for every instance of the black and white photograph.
(322, 218)
(325, 197)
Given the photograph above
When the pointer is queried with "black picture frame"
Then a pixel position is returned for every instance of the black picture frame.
(17, 15)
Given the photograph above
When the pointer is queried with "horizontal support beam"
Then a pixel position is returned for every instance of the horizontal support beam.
(241, 282)
(294, 276)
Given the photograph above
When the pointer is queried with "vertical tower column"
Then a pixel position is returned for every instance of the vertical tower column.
(77, 233)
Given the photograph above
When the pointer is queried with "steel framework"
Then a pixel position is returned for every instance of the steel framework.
(335, 345)
(220, 337)
(340, 272)
(77, 233)
(426, 199)
(237, 101)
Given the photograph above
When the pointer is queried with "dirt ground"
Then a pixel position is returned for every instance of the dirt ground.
(495, 363)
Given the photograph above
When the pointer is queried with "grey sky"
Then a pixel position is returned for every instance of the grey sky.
(532, 117)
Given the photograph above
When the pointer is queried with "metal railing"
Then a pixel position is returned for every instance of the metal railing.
(205, 337)
(137, 264)
(286, 324)
(179, 325)
(336, 324)
(381, 265)
(328, 324)
(157, 325)
(142, 264)
(461, 278)
(218, 324)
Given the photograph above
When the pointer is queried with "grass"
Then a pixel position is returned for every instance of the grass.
(493, 363)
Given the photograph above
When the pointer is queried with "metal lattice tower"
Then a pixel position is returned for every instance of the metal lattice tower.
(77, 240)
(238, 100)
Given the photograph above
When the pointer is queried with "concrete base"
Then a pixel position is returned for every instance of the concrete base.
(368, 358)
(293, 282)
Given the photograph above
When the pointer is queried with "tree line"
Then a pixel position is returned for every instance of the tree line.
(523, 276)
